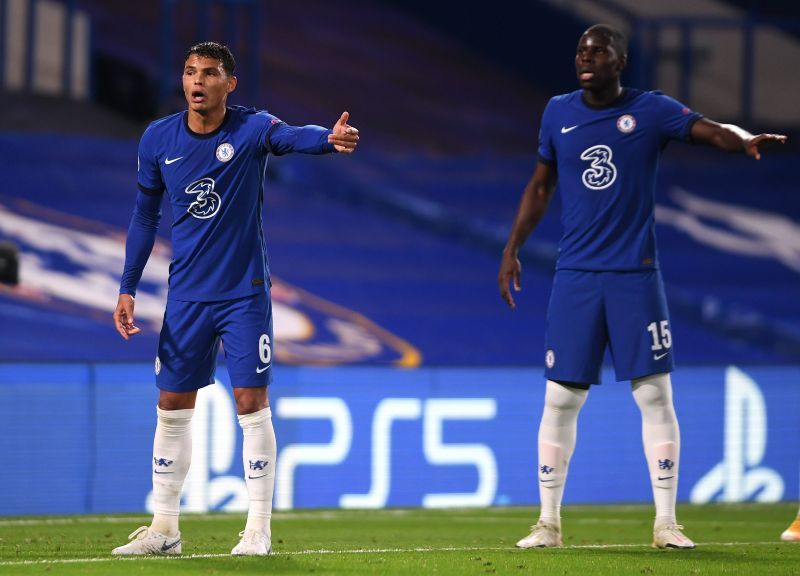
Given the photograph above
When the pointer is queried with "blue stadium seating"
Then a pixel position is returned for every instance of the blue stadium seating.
(412, 244)
(407, 233)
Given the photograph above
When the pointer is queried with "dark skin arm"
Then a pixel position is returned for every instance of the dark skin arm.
(535, 199)
(731, 138)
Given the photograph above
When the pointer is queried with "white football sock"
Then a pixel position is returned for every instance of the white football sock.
(258, 455)
(662, 441)
(557, 434)
(172, 454)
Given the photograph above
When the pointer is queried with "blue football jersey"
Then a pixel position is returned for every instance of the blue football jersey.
(214, 183)
(606, 160)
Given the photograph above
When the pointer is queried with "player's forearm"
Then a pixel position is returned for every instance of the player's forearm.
(530, 212)
(729, 137)
(733, 138)
(141, 238)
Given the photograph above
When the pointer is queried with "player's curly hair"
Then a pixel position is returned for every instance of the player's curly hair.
(214, 50)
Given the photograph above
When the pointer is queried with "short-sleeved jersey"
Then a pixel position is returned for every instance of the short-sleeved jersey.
(606, 160)
(214, 182)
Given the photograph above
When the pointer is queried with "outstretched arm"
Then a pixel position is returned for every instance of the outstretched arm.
(283, 138)
(532, 207)
(732, 138)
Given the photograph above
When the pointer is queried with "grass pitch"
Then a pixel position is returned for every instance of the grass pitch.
(599, 540)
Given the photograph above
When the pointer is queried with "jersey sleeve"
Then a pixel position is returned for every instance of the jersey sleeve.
(676, 118)
(281, 138)
(546, 151)
(268, 122)
(141, 237)
(148, 172)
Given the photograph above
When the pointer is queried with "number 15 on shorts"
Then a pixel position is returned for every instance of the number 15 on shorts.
(662, 338)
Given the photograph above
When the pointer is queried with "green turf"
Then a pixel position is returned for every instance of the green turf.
(732, 539)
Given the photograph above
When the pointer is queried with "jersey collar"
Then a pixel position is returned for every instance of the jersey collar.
(623, 95)
(193, 134)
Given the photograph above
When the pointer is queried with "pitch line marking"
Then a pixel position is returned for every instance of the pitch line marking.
(334, 516)
(357, 551)
(143, 519)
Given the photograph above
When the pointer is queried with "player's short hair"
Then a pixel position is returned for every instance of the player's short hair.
(614, 36)
(214, 50)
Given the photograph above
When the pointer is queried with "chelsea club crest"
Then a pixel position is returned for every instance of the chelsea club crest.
(626, 123)
(224, 152)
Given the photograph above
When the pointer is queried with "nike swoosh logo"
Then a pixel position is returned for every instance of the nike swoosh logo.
(665, 477)
(564, 129)
(165, 546)
(260, 370)
(171, 160)
(659, 356)
(255, 477)
(157, 472)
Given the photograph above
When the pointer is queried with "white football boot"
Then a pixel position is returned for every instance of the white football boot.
(671, 536)
(144, 541)
(252, 543)
(543, 535)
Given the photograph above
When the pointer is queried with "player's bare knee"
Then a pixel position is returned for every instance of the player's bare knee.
(562, 398)
(176, 400)
(249, 400)
(653, 395)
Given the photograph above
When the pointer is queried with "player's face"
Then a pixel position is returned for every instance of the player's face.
(597, 62)
(206, 85)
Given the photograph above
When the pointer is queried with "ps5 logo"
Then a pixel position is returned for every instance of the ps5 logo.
(432, 414)
(740, 476)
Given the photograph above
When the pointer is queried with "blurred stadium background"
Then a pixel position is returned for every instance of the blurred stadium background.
(403, 380)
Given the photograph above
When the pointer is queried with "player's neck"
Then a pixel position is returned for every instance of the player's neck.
(200, 123)
(603, 97)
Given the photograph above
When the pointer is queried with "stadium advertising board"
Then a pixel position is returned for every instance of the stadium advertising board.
(378, 437)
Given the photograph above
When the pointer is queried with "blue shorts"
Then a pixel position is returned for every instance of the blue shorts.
(626, 311)
(190, 337)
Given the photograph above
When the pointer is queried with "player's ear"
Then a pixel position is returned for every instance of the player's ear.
(231, 84)
(623, 61)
